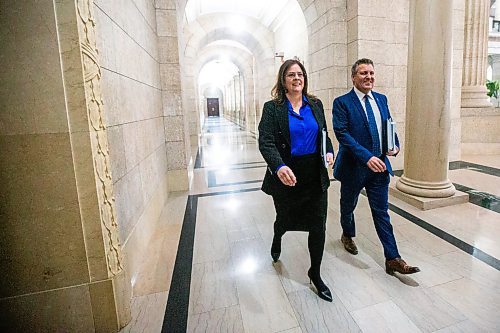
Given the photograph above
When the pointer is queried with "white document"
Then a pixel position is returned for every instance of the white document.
(391, 134)
(323, 147)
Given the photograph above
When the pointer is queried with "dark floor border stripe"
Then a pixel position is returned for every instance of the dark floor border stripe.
(475, 167)
(177, 310)
(481, 199)
(467, 248)
(199, 158)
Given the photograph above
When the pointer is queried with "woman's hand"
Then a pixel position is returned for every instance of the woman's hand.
(285, 174)
(329, 158)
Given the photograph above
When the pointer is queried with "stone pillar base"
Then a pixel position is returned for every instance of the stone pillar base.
(426, 189)
(178, 180)
(428, 203)
(475, 97)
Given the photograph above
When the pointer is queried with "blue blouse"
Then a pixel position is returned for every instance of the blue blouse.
(303, 129)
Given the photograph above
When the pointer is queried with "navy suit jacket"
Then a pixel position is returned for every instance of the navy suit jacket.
(351, 129)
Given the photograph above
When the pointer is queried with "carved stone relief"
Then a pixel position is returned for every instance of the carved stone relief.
(99, 140)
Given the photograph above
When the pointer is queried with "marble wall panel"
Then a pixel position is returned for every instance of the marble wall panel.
(165, 4)
(139, 29)
(352, 9)
(121, 54)
(174, 128)
(372, 28)
(399, 54)
(172, 103)
(170, 78)
(397, 100)
(322, 6)
(325, 57)
(352, 29)
(117, 152)
(168, 50)
(481, 129)
(178, 180)
(129, 201)
(128, 100)
(399, 10)
(400, 32)
(31, 89)
(339, 55)
(89, 207)
(60, 310)
(136, 246)
(384, 76)
(41, 231)
(167, 23)
(102, 298)
(147, 9)
(400, 76)
(176, 155)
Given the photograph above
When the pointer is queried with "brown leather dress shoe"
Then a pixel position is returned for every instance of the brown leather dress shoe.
(400, 266)
(349, 244)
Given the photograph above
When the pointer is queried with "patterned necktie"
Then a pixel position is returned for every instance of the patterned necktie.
(372, 125)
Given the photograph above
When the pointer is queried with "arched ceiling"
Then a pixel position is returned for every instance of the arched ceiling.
(237, 32)
(213, 27)
(264, 11)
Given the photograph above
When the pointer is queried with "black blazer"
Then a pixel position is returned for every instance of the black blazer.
(275, 144)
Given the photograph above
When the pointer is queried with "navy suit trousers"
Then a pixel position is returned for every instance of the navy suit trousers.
(376, 185)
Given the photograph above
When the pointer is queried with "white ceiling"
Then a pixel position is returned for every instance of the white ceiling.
(264, 11)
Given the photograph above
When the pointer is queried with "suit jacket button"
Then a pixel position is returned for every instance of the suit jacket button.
(283, 146)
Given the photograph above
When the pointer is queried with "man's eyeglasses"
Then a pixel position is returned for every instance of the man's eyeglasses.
(291, 75)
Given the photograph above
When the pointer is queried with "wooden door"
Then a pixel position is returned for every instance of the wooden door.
(213, 107)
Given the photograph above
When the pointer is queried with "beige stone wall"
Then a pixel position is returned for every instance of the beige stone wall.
(139, 128)
(61, 255)
(327, 65)
(480, 131)
(379, 30)
(41, 239)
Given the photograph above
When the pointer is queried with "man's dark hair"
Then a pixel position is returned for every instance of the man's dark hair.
(364, 61)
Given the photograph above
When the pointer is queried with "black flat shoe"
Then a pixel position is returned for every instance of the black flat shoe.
(276, 249)
(323, 291)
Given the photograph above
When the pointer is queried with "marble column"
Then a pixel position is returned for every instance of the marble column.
(475, 54)
(428, 100)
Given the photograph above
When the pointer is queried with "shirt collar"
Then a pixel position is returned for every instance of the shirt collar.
(305, 102)
(361, 95)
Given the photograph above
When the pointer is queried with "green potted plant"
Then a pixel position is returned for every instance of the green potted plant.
(493, 89)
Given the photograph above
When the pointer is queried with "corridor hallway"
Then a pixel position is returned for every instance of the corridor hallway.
(210, 257)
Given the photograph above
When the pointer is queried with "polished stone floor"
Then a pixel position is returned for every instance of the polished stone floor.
(210, 268)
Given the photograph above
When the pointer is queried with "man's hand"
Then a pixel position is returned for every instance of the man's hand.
(375, 164)
(285, 174)
(393, 151)
(329, 158)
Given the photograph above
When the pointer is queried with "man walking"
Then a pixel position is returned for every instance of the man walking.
(359, 123)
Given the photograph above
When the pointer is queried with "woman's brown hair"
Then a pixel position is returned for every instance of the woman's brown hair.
(279, 90)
